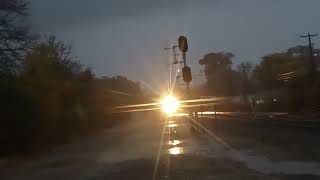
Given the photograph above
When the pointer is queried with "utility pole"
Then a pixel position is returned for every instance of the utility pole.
(311, 56)
(173, 60)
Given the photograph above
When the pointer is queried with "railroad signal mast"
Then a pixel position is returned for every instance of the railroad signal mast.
(186, 71)
(173, 60)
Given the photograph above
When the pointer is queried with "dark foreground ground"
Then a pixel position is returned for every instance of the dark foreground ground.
(271, 135)
(144, 149)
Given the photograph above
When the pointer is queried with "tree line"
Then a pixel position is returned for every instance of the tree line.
(47, 95)
(281, 81)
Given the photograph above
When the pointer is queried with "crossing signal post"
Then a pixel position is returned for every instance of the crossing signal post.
(186, 71)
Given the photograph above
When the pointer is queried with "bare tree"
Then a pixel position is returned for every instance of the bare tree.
(61, 52)
(14, 34)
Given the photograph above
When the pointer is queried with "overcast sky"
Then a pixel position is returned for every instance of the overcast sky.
(127, 37)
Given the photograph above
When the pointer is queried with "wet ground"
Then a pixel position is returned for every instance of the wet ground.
(152, 147)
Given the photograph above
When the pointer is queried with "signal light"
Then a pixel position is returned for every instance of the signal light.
(186, 74)
(183, 44)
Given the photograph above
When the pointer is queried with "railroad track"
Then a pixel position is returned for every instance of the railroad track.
(280, 119)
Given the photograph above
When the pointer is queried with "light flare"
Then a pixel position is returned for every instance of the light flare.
(170, 105)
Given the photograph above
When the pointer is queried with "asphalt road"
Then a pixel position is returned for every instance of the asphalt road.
(148, 147)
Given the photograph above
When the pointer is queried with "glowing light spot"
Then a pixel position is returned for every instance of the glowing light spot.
(176, 151)
(174, 142)
(170, 105)
(179, 114)
(172, 125)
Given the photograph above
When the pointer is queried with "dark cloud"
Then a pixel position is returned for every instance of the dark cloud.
(73, 12)
(128, 36)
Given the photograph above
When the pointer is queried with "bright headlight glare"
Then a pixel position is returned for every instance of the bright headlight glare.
(170, 105)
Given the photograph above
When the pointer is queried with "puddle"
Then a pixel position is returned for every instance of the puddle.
(171, 122)
(176, 151)
(174, 142)
(172, 125)
(264, 165)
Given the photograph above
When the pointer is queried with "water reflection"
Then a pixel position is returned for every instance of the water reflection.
(171, 122)
(222, 113)
(176, 150)
(172, 125)
(210, 113)
(179, 114)
(239, 113)
(174, 142)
